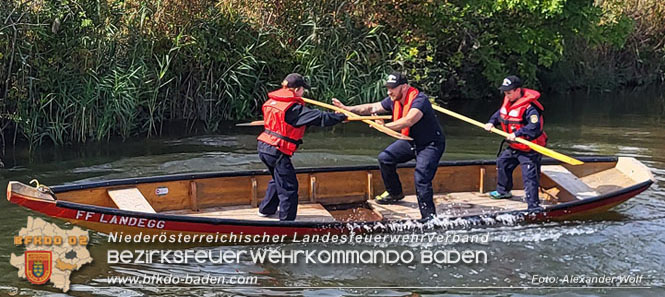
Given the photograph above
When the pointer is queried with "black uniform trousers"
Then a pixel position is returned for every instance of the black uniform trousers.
(282, 189)
(427, 161)
(530, 164)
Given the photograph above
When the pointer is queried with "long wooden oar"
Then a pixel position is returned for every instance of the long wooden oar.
(250, 124)
(371, 118)
(375, 125)
(356, 118)
(541, 149)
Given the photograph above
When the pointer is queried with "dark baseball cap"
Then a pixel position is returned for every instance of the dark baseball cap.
(510, 82)
(395, 79)
(295, 80)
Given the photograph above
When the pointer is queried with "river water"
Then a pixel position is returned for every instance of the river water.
(629, 240)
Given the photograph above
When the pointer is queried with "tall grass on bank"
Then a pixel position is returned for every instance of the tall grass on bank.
(348, 68)
(123, 68)
(78, 71)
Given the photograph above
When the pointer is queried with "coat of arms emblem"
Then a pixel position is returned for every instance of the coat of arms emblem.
(38, 266)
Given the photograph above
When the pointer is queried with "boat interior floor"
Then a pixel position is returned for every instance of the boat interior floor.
(454, 205)
(450, 204)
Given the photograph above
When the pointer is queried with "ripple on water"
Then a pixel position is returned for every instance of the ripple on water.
(171, 164)
(210, 140)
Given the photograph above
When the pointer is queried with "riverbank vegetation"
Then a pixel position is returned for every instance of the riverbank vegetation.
(75, 71)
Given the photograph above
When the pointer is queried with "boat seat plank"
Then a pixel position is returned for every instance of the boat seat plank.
(311, 212)
(130, 199)
(568, 181)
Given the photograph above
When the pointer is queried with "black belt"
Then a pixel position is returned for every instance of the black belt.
(282, 137)
(507, 122)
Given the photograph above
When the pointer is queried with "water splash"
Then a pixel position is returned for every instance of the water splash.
(438, 222)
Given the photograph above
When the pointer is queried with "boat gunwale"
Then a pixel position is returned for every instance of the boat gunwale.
(318, 225)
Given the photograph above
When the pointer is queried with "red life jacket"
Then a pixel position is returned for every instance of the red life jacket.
(511, 117)
(398, 113)
(277, 131)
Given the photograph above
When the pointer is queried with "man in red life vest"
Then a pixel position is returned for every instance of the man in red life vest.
(520, 115)
(412, 116)
(286, 117)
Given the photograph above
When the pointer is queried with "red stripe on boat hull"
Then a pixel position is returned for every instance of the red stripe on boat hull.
(131, 223)
(134, 224)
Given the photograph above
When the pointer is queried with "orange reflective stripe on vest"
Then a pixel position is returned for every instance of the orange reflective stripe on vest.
(278, 132)
(511, 117)
(399, 112)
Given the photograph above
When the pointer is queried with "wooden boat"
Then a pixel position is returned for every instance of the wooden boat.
(332, 199)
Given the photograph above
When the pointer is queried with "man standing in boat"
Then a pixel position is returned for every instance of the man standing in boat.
(285, 119)
(521, 116)
(412, 116)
